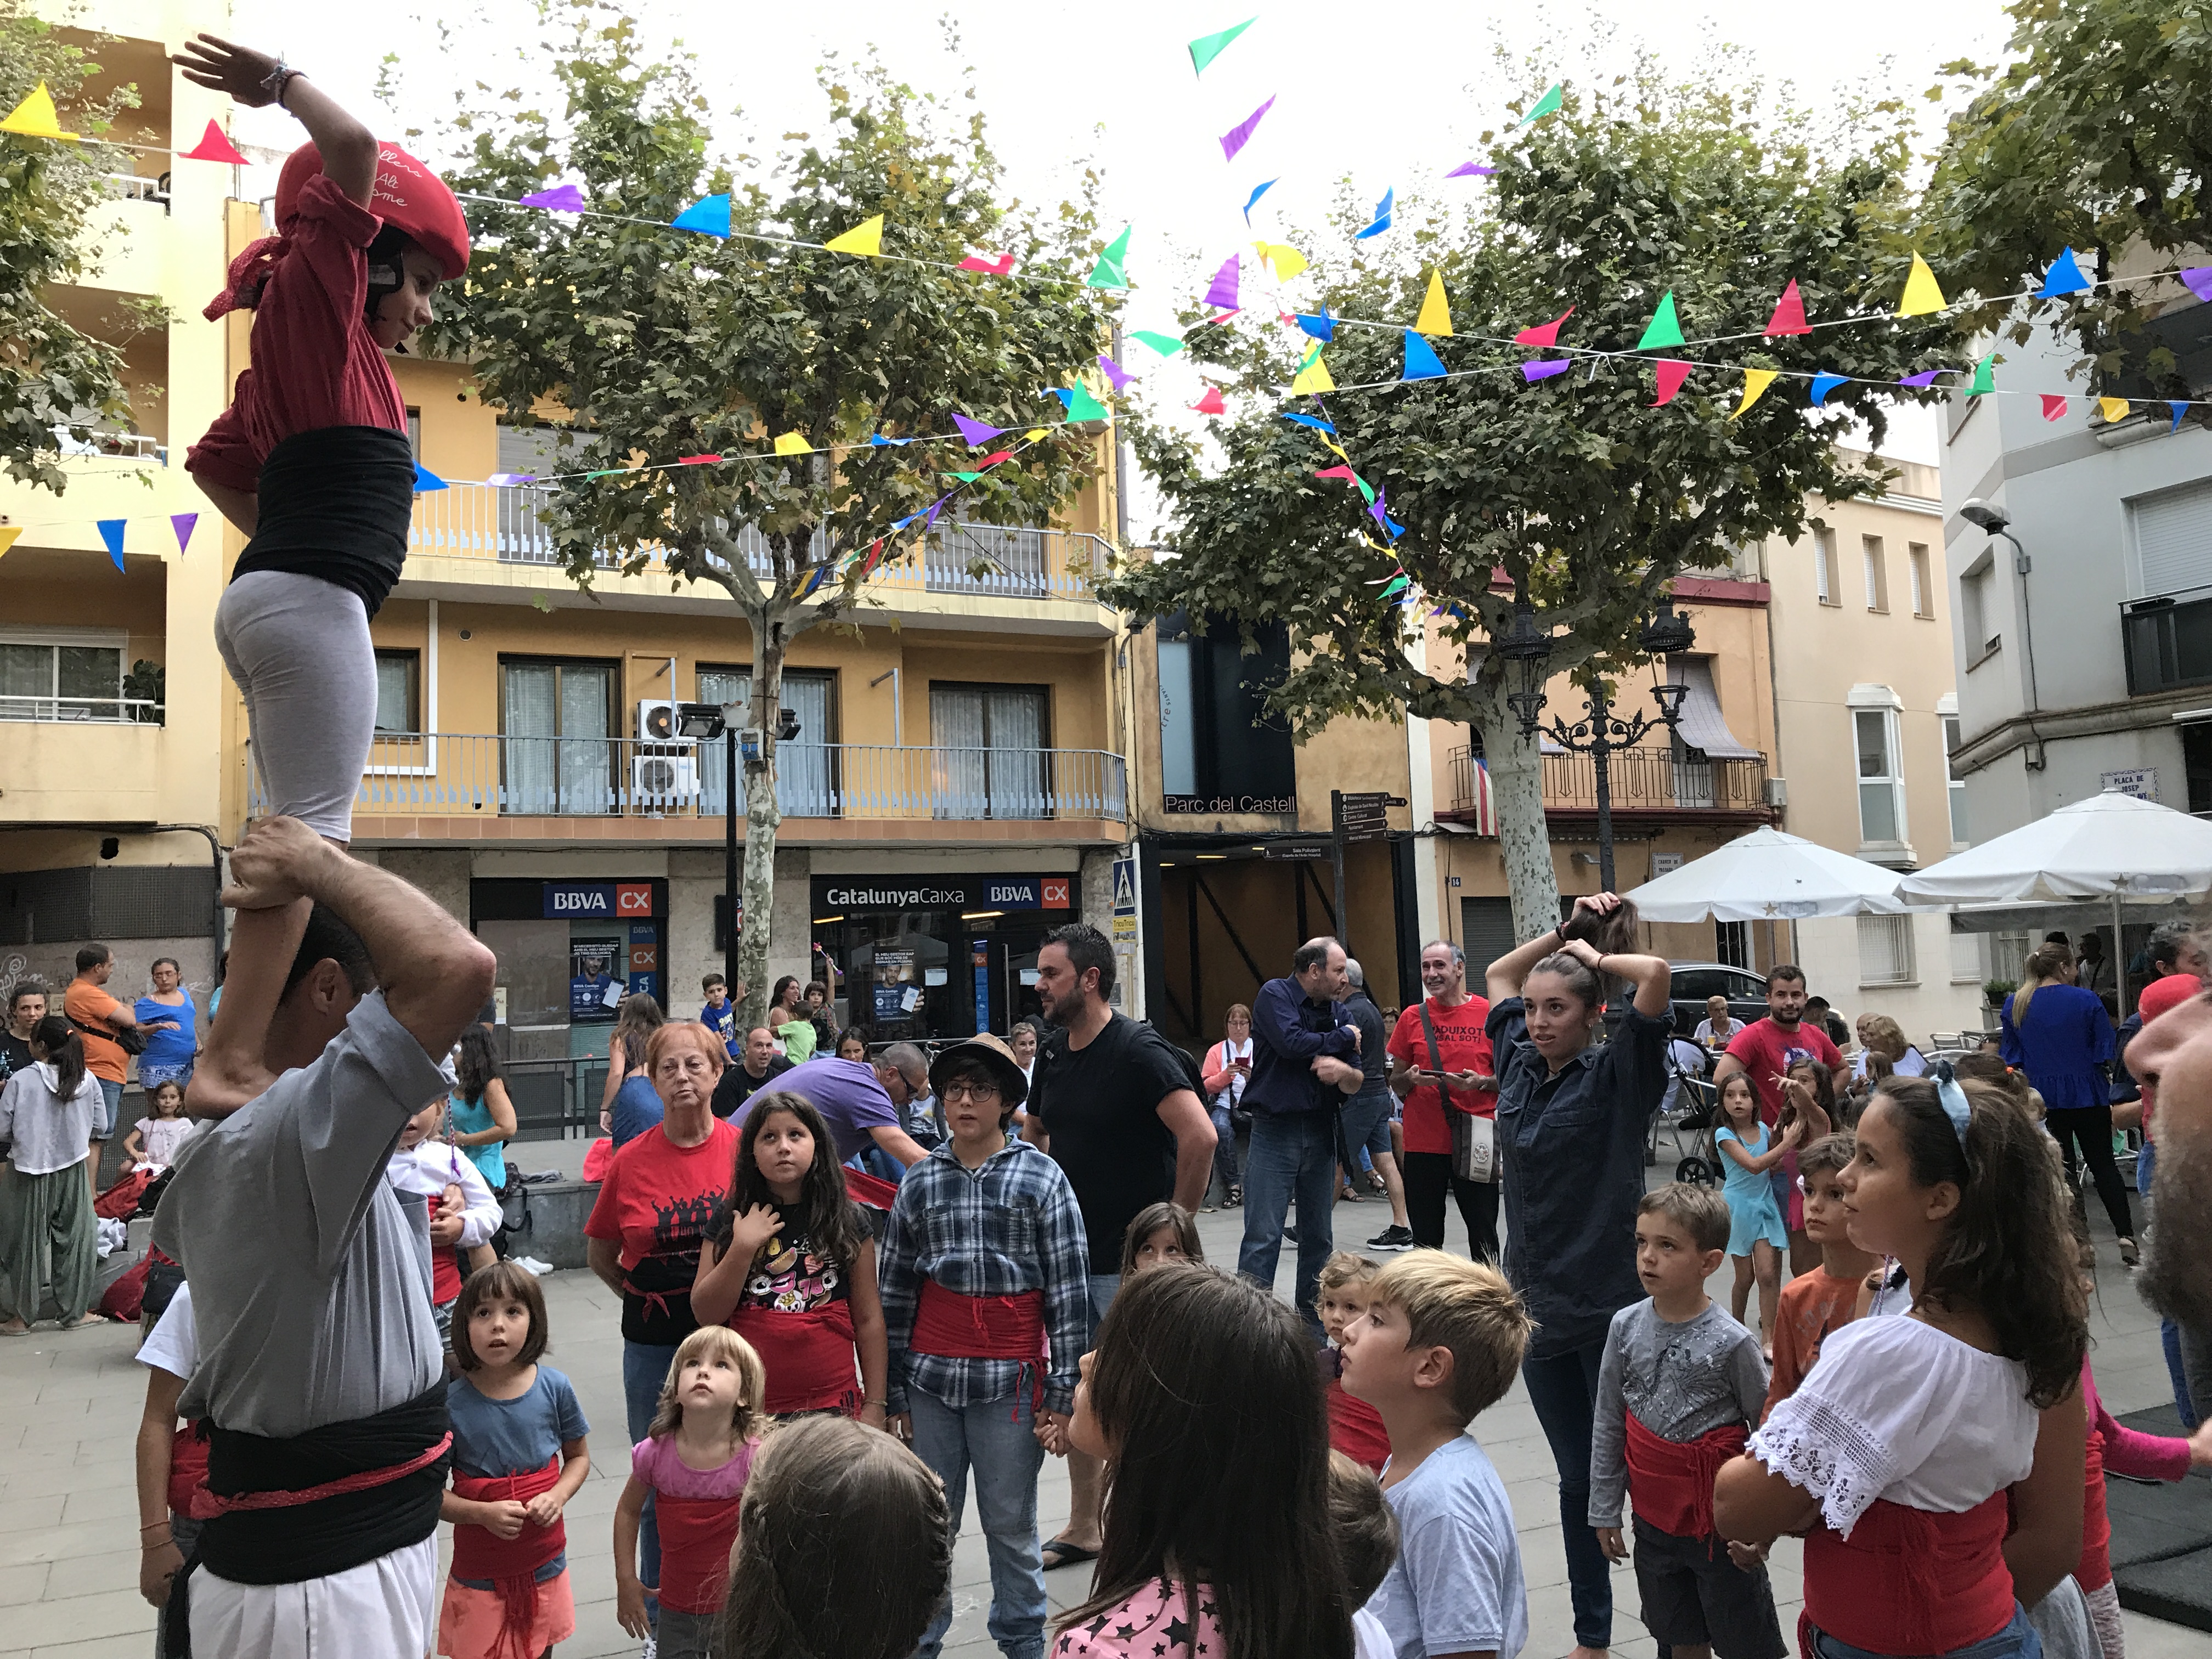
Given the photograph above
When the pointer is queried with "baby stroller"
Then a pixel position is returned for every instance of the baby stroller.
(1696, 1110)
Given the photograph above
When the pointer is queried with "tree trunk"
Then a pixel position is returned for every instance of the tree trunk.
(1516, 787)
(762, 819)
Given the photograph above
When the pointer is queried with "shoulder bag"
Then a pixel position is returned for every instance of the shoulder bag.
(1474, 1140)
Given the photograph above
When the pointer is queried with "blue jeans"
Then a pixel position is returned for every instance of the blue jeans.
(645, 1369)
(1367, 1125)
(1563, 1388)
(994, 1438)
(1224, 1151)
(1103, 1288)
(2017, 1640)
(111, 1096)
(1292, 1155)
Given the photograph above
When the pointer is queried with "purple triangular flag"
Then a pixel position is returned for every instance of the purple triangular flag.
(976, 432)
(1223, 292)
(1239, 135)
(935, 507)
(1544, 368)
(182, 523)
(110, 532)
(1470, 170)
(562, 198)
(1926, 379)
(1114, 371)
(2198, 281)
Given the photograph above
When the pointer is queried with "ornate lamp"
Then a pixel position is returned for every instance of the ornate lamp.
(1525, 647)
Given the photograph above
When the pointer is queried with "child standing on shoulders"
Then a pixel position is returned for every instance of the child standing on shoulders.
(1749, 1152)
(1934, 1460)
(518, 1457)
(987, 1294)
(153, 1141)
(791, 1268)
(1200, 1398)
(694, 1463)
(462, 1213)
(1816, 1303)
(1680, 1386)
(1158, 1233)
(1440, 1343)
(1354, 1427)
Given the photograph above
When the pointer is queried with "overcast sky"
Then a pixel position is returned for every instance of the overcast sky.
(1384, 93)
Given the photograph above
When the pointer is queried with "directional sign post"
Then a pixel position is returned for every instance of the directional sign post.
(1337, 802)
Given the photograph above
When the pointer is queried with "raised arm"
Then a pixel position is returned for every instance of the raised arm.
(254, 79)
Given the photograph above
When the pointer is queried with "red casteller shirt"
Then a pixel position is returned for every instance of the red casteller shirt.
(1766, 1051)
(660, 1202)
(1464, 1046)
(315, 363)
(2169, 991)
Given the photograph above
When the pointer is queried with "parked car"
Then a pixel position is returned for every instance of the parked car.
(1694, 982)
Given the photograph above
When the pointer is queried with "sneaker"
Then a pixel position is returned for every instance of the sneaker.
(1392, 1238)
(1236, 1199)
(2129, 1256)
(1291, 1233)
(531, 1264)
(651, 1647)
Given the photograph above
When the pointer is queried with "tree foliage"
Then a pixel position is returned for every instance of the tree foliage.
(50, 373)
(1573, 493)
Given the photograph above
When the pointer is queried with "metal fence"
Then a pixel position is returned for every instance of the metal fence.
(96, 711)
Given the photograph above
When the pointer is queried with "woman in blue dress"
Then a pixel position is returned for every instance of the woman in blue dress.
(172, 1029)
(2062, 1037)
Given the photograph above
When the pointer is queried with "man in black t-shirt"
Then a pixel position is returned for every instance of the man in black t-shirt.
(759, 1067)
(1117, 1106)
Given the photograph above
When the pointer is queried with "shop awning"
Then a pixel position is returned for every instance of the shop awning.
(1702, 726)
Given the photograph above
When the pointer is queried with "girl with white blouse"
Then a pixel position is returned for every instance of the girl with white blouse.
(1901, 1453)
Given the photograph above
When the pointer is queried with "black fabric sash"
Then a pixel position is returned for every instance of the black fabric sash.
(336, 503)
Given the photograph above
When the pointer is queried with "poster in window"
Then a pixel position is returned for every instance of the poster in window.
(896, 994)
(594, 991)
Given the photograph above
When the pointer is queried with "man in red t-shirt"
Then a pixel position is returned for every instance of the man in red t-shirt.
(1766, 1048)
(1459, 1076)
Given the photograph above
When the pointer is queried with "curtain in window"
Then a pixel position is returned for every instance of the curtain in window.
(805, 770)
(26, 672)
(1018, 760)
(395, 693)
(990, 759)
(532, 719)
(586, 758)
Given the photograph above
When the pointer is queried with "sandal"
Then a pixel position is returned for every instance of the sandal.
(1235, 1201)
(1067, 1554)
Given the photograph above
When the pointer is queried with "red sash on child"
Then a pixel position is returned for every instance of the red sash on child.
(188, 1461)
(955, 1326)
(1911, 1581)
(809, 1355)
(1670, 1482)
(445, 1275)
(1355, 1428)
(511, 1564)
(2096, 1568)
(696, 1535)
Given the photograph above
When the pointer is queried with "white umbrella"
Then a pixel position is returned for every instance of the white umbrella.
(1768, 876)
(2110, 846)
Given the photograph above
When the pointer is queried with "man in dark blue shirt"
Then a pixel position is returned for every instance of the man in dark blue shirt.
(1305, 1059)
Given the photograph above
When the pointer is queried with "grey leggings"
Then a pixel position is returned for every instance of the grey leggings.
(300, 650)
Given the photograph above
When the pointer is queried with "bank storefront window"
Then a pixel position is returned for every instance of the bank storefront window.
(939, 955)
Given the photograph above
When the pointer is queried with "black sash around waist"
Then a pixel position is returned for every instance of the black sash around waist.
(336, 503)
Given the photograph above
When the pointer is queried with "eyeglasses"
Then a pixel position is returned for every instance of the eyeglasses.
(981, 1093)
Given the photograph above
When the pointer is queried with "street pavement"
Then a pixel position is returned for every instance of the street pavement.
(70, 1407)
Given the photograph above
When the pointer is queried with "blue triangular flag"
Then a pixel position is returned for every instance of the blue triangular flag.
(110, 532)
(1421, 362)
(426, 479)
(1066, 395)
(907, 520)
(1382, 216)
(2064, 276)
(1313, 420)
(1254, 197)
(877, 441)
(1823, 384)
(1322, 327)
(2179, 410)
(709, 215)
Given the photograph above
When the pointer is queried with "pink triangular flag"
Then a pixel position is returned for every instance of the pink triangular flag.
(182, 523)
(1672, 371)
(1547, 334)
(2053, 406)
(1788, 316)
(1224, 290)
(1002, 266)
(215, 146)
(976, 432)
(1211, 403)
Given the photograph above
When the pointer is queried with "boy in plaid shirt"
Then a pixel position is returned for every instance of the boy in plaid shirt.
(985, 1276)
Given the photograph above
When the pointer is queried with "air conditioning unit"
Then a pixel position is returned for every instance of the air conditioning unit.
(656, 723)
(663, 780)
(1777, 792)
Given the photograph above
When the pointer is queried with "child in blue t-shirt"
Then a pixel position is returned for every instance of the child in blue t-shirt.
(1440, 1341)
(720, 1015)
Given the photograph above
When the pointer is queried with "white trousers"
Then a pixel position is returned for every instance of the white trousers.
(387, 1608)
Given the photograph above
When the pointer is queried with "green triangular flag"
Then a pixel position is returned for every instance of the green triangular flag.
(1983, 380)
(964, 477)
(1547, 105)
(1664, 328)
(1207, 47)
(1082, 406)
(1105, 274)
(1398, 585)
(1117, 251)
(1166, 344)
(1365, 489)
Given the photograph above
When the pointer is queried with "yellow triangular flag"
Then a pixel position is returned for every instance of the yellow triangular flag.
(1755, 382)
(864, 238)
(8, 535)
(1313, 375)
(2115, 409)
(1287, 260)
(1033, 434)
(1336, 450)
(794, 443)
(1922, 295)
(36, 118)
(1436, 311)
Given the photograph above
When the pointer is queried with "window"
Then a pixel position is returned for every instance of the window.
(415, 434)
(1967, 958)
(1958, 785)
(1885, 951)
(1978, 613)
(1882, 783)
(1178, 723)
(62, 674)
(2173, 534)
(398, 677)
(1924, 595)
(1877, 572)
(1217, 740)
(2197, 765)
(557, 720)
(990, 743)
(1732, 943)
(1824, 566)
(806, 767)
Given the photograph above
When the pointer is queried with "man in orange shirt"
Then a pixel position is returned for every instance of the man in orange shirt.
(94, 1013)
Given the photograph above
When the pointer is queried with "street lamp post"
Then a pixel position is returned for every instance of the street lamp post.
(705, 722)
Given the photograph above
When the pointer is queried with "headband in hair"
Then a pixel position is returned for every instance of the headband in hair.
(1952, 1099)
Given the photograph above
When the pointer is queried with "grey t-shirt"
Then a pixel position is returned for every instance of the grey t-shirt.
(1682, 1380)
(310, 1281)
(1456, 1585)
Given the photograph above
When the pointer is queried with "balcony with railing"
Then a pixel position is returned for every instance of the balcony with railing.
(2167, 640)
(443, 786)
(1648, 787)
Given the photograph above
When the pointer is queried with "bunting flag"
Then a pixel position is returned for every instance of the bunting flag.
(2197, 279)
(1823, 384)
(214, 145)
(1313, 374)
(1398, 585)
(2114, 410)
(426, 480)
(1547, 105)
(1925, 378)
(1211, 403)
(110, 532)
(964, 477)
(1985, 378)
(1665, 328)
(1435, 311)
(1001, 266)
(1082, 406)
(1672, 371)
(1287, 260)
(1922, 294)
(1313, 420)
(9, 534)
(1222, 291)
(1343, 472)
(1207, 47)
(2053, 406)
(818, 575)
(709, 215)
(1788, 316)
(1421, 362)
(1471, 170)
(1241, 135)
(1322, 327)
(1377, 511)
(1107, 273)
(877, 441)
(1252, 200)
(562, 198)
(1546, 335)
(1035, 434)
(977, 434)
(2179, 410)
(929, 518)
(1544, 368)
(36, 116)
(794, 443)
(1382, 211)
(2064, 276)
(1166, 344)
(1113, 372)
(183, 523)
(511, 478)
(864, 238)
(1755, 382)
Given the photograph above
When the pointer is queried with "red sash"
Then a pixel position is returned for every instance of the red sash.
(1911, 1581)
(1355, 1428)
(809, 1356)
(188, 1463)
(956, 1326)
(869, 1192)
(696, 1536)
(511, 1564)
(2095, 1567)
(1670, 1482)
(445, 1275)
